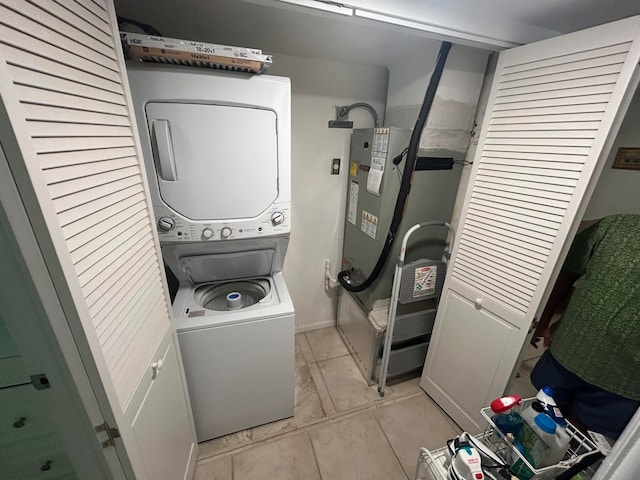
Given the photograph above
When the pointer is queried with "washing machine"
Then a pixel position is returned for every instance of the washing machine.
(216, 147)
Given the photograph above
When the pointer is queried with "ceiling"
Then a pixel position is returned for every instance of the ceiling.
(281, 28)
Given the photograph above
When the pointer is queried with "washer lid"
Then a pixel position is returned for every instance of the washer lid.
(227, 266)
(214, 162)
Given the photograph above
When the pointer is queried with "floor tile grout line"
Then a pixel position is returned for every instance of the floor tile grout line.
(324, 381)
(315, 455)
(310, 348)
(306, 428)
(325, 394)
(391, 446)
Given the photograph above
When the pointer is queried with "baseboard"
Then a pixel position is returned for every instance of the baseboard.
(315, 326)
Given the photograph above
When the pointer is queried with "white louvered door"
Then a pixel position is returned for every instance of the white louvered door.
(80, 172)
(554, 109)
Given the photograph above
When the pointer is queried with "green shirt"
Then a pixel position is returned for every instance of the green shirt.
(598, 337)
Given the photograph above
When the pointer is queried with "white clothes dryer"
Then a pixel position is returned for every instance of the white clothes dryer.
(217, 153)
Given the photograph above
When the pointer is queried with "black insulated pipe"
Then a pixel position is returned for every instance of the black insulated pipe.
(405, 184)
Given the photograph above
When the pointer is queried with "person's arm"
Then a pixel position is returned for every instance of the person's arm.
(574, 267)
(559, 294)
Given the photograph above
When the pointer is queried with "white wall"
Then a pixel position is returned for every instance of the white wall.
(318, 198)
(618, 190)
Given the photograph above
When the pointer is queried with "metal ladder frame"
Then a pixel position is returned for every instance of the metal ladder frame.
(395, 294)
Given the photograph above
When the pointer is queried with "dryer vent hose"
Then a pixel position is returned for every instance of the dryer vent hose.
(405, 185)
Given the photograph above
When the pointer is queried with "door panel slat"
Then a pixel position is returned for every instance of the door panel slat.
(39, 47)
(511, 283)
(85, 183)
(561, 60)
(542, 234)
(60, 26)
(64, 174)
(574, 67)
(504, 254)
(553, 102)
(535, 202)
(98, 217)
(522, 238)
(513, 242)
(118, 265)
(120, 276)
(60, 114)
(94, 207)
(557, 94)
(581, 70)
(563, 160)
(548, 194)
(82, 197)
(567, 84)
(30, 78)
(96, 263)
(521, 205)
(71, 101)
(75, 21)
(554, 110)
(535, 182)
(86, 244)
(538, 170)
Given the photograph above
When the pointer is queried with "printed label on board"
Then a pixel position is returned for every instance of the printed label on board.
(354, 169)
(369, 224)
(353, 202)
(380, 142)
(374, 178)
(425, 281)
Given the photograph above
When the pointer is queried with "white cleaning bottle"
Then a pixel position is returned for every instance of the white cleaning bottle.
(545, 441)
(545, 396)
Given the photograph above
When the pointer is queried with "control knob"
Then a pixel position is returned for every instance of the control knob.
(166, 224)
(207, 233)
(277, 218)
(225, 232)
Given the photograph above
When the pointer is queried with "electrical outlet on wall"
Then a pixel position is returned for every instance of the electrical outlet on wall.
(335, 166)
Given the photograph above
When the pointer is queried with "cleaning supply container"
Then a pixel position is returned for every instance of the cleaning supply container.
(522, 464)
(543, 439)
(506, 418)
(546, 397)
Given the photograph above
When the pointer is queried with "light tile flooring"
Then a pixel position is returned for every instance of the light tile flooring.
(341, 429)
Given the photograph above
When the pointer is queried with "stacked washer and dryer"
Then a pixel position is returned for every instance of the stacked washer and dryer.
(217, 154)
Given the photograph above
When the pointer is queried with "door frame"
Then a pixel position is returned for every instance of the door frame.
(44, 338)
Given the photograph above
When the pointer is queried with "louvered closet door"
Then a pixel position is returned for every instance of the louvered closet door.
(553, 111)
(64, 89)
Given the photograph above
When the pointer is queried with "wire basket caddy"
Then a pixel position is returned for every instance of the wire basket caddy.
(580, 446)
(432, 465)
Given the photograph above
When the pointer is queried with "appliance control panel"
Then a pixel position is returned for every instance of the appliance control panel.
(173, 227)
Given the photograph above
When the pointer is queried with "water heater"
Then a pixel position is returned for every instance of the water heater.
(372, 190)
(374, 182)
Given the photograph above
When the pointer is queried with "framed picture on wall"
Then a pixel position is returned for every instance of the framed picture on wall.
(627, 158)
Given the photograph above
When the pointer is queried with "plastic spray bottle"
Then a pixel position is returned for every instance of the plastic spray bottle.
(506, 419)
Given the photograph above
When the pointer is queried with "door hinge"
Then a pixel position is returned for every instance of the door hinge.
(111, 432)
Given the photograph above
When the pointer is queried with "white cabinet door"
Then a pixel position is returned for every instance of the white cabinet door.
(161, 419)
(554, 110)
(466, 350)
(73, 150)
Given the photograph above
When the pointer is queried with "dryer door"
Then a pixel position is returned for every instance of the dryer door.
(214, 162)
